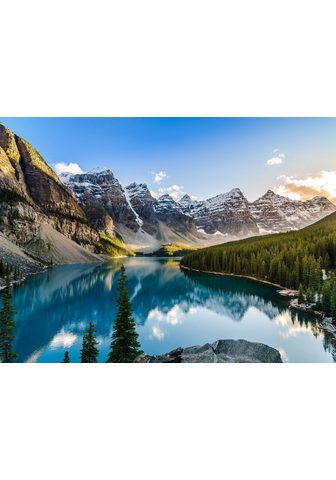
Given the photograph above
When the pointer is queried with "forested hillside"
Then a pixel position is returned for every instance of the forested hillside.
(295, 260)
(174, 250)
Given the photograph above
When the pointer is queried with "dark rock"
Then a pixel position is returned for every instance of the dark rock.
(221, 351)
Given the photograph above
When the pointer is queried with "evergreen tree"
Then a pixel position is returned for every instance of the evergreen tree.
(301, 295)
(333, 304)
(66, 358)
(125, 346)
(89, 351)
(7, 325)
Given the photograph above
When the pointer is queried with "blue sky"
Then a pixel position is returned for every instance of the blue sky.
(200, 156)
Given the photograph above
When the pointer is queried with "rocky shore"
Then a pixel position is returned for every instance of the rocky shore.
(221, 351)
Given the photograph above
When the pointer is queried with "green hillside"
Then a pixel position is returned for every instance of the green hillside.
(114, 247)
(294, 260)
(174, 250)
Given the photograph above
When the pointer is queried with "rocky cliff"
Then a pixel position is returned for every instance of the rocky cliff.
(32, 196)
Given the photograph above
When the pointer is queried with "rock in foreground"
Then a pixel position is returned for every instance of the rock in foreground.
(221, 351)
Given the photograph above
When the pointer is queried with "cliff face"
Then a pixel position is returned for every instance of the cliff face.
(225, 214)
(31, 194)
(131, 212)
(103, 200)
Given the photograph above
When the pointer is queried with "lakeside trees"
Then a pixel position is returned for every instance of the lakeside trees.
(305, 257)
(89, 352)
(7, 325)
(7, 270)
(125, 346)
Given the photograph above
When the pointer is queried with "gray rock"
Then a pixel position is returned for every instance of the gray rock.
(221, 351)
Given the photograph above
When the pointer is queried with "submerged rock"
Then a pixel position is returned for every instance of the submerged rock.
(221, 351)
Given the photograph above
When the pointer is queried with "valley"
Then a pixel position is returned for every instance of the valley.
(87, 217)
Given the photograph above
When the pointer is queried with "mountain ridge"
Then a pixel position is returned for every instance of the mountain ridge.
(226, 216)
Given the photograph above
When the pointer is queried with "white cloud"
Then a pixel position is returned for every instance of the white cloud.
(63, 339)
(157, 332)
(277, 160)
(322, 183)
(175, 191)
(159, 176)
(67, 168)
(277, 157)
(174, 316)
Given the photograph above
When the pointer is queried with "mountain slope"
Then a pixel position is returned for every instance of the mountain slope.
(32, 194)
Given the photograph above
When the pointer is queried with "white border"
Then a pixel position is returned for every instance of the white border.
(146, 58)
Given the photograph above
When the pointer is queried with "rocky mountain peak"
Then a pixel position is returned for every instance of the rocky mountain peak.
(8, 143)
(270, 194)
(138, 190)
(166, 204)
(103, 199)
(235, 192)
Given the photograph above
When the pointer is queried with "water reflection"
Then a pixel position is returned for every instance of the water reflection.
(171, 308)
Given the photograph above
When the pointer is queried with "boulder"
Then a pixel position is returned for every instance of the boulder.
(221, 351)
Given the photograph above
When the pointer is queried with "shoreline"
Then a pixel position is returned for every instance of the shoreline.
(46, 268)
(325, 323)
(255, 279)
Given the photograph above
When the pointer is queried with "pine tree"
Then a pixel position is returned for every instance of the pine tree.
(333, 304)
(125, 346)
(7, 325)
(66, 358)
(301, 295)
(89, 351)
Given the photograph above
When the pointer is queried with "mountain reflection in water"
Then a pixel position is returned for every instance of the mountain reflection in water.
(172, 308)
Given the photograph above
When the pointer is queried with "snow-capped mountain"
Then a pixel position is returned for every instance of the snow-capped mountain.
(162, 217)
(142, 220)
(275, 213)
(103, 200)
(227, 213)
(133, 212)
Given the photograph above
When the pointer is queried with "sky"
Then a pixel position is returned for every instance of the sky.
(203, 157)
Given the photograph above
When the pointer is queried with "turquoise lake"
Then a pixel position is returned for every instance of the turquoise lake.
(171, 308)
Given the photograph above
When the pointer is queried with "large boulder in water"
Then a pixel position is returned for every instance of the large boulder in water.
(221, 351)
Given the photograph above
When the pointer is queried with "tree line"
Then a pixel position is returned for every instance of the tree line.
(124, 347)
(7, 270)
(303, 260)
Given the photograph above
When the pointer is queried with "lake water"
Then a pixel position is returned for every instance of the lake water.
(171, 308)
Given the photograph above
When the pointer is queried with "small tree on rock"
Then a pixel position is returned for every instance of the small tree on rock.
(89, 352)
(7, 325)
(125, 346)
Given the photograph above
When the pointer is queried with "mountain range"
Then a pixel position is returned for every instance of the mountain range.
(69, 219)
(138, 216)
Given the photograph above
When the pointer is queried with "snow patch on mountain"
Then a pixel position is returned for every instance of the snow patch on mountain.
(128, 198)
